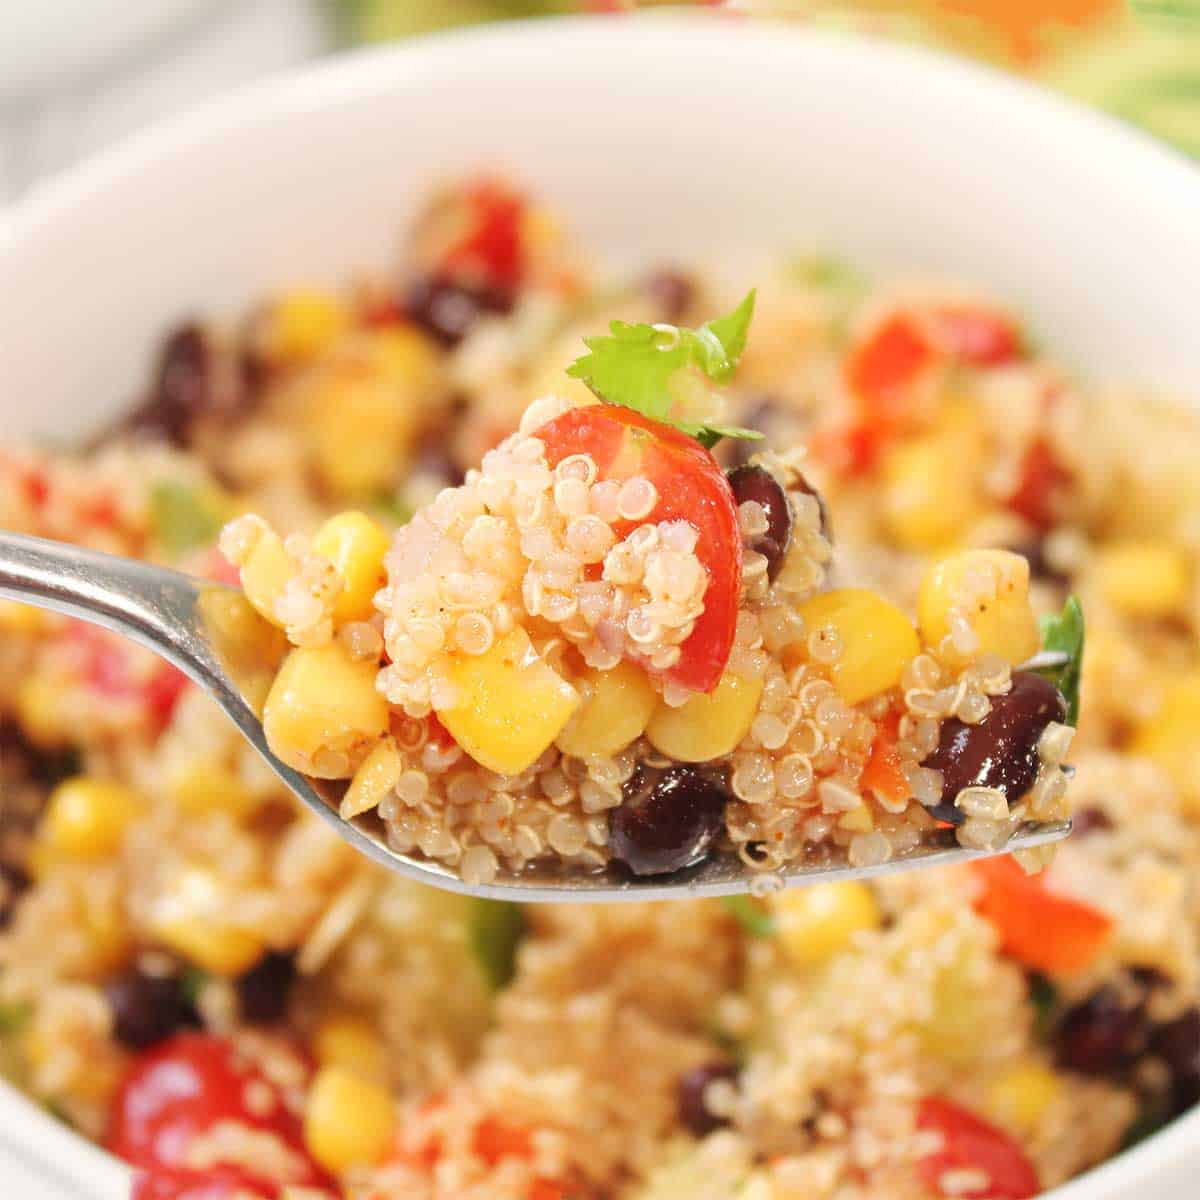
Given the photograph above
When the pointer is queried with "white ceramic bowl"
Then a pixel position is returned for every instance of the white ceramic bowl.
(660, 138)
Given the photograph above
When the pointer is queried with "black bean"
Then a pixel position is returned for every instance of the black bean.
(1104, 1034)
(668, 820)
(1177, 1043)
(263, 991)
(758, 484)
(694, 1114)
(1001, 751)
(1090, 820)
(13, 881)
(449, 310)
(671, 292)
(147, 1008)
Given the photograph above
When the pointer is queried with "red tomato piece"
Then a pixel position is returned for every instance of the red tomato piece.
(691, 487)
(972, 1144)
(850, 451)
(221, 1183)
(881, 773)
(882, 369)
(1042, 478)
(1041, 929)
(494, 1140)
(492, 246)
(179, 1090)
(976, 336)
(108, 668)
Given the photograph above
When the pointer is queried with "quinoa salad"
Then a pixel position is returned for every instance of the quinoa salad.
(523, 600)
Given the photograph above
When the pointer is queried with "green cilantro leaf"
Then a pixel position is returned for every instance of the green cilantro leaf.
(633, 365)
(496, 930)
(1063, 634)
(751, 915)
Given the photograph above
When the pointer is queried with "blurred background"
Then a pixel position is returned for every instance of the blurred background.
(78, 74)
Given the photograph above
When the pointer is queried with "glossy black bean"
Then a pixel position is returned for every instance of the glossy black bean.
(668, 820)
(1177, 1043)
(263, 991)
(1001, 751)
(1104, 1034)
(758, 484)
(147, 1008)
(671, 291)
(449, 310)
(694, 1113)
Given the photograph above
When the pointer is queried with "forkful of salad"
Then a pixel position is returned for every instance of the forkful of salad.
(604, 667)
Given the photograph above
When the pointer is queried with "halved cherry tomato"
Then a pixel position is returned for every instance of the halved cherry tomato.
(691, 487)
(1042, 478)
(972, 1144)
(179, 1090)
(881, 773)
(109, 669)
(491, 247)
(1039, 928)
(976, 336)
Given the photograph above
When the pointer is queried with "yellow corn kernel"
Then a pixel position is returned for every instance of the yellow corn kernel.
(404, 357)
(203, 787)
(42, 711)
(266, 573)
(877, 640)
(1143, 579)
(509, 704)
(990, 588)
(1020, 1096)
(356, 546)
(857, 820)
(706, 726)
(351, 1042)
(109, 942)
(815, 923)
(86, 818)
(190, 920)
(373, 780)
(360, 429)
(303, 324)
(249, 647)
(1169, 738)
(323, 713)
(21, 619)
(615, 713)
(927, 488)
(349, 1121)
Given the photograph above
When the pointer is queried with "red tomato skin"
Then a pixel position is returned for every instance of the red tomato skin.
(221, 1183)
(1039, 928)
(970, 1143)
(177, 1091)
(976, 336)
(1042, 476)
(692, 488)
(106, 667)
(850, 451)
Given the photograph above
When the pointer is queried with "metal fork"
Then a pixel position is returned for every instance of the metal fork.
(181, 618)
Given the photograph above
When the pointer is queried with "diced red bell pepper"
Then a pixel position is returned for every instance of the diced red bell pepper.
(882, 773)
(492, 246)
(691, 487)
(1041, 478)
(970, 1143)
(849, 451)
(495, 1140)
(177, 1091)
(1041, 929)
(979, 337)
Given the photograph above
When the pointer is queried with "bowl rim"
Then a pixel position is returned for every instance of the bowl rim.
(1163, 173)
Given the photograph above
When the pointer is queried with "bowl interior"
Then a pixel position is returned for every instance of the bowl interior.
(664, 139)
